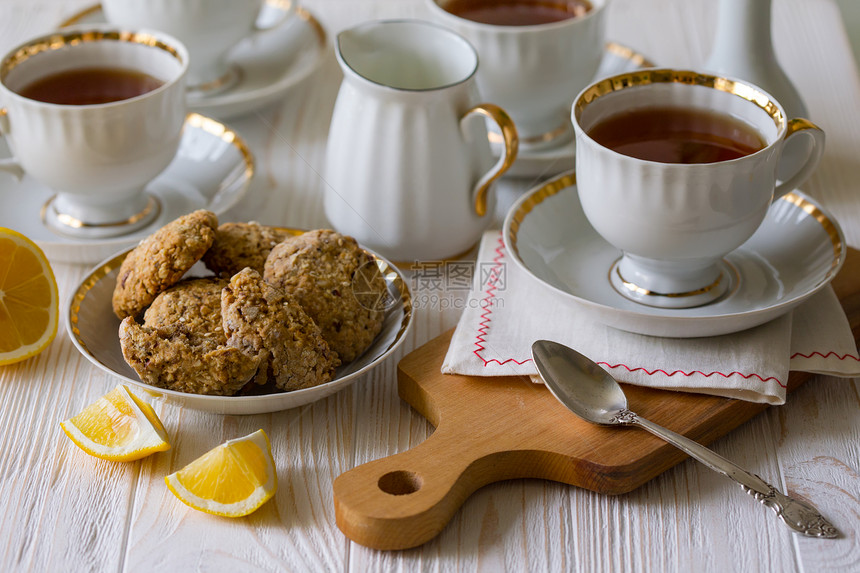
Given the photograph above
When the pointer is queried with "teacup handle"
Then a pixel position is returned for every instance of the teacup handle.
(287, 8)
(9, 165)
(512, 144)
(806, 127)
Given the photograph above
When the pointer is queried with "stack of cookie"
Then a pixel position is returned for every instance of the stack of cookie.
(281, 310)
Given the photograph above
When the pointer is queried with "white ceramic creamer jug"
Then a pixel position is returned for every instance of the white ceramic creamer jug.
(408, 167)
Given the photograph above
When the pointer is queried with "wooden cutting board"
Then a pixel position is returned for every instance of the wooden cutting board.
(493, 429)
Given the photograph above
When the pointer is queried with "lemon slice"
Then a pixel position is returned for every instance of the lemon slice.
(29, 308)
(233, 479)
(119, 427)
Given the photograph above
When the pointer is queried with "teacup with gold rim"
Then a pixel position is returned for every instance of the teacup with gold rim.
(536, 55)
(94, 113)
(676, 169)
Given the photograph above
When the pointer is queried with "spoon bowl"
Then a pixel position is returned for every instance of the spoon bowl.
(588, 390)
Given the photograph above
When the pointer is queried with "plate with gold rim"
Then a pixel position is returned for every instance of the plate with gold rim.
(795, 253)
(213, 170)
(546, 162)
(94, 330)
(270, 64)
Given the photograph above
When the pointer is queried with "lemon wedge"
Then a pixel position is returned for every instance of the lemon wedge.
(233, 479)
(29, 308)
(119, 427)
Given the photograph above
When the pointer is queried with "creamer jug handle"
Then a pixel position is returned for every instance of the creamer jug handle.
(8, 165)
(512, 143)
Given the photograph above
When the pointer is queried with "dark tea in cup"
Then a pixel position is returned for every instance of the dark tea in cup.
(518, 12)
(677, 135)
(90, 86)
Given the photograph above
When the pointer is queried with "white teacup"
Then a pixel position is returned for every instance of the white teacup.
(534, 71)
(208, 28)
(675, 221)
(97, 157)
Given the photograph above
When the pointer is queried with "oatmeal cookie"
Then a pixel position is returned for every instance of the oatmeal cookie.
(336, 282)
(175, 359)
(264, 322)
(160, 260)
(192, 305)
(240, 245)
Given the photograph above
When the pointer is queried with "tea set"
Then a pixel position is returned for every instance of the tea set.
(430, 113)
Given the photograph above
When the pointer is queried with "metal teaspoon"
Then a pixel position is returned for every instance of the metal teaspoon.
(592, 394)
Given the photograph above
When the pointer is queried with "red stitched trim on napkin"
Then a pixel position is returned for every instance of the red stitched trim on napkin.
(486, 304)
(828, 355)
(688, 374)
(486, 319)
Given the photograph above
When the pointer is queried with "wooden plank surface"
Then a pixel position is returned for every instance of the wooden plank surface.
(61, 510)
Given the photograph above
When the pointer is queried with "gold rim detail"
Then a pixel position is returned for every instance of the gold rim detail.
(799, 124)
(822, 219)
(633, 287)
(232, 76)
(62, 40)
(628, 53)
(303, 13)
(153, 207)
(79, 16)
(548, 189)
(540, 138)
(226, 134)
(667, 76)
(283, 5)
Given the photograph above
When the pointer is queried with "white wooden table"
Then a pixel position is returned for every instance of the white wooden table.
(61, 510)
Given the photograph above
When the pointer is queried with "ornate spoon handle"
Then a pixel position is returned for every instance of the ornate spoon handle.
(798, 515)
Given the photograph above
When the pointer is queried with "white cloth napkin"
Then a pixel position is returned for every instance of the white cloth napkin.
(508, 310)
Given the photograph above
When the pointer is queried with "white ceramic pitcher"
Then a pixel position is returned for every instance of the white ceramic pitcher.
(408, 170)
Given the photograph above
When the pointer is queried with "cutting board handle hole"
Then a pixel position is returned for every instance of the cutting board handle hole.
(400, 482)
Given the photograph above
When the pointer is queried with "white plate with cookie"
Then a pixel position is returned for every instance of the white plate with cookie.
(94, 329)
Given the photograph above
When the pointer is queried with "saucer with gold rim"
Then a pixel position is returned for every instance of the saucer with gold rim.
(796, 252)
(269, 66)
(213, 169)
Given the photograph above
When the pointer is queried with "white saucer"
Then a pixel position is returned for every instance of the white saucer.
(270, 65)
(796, 252)
(94, 330)
(212, 170)
(542, 163)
